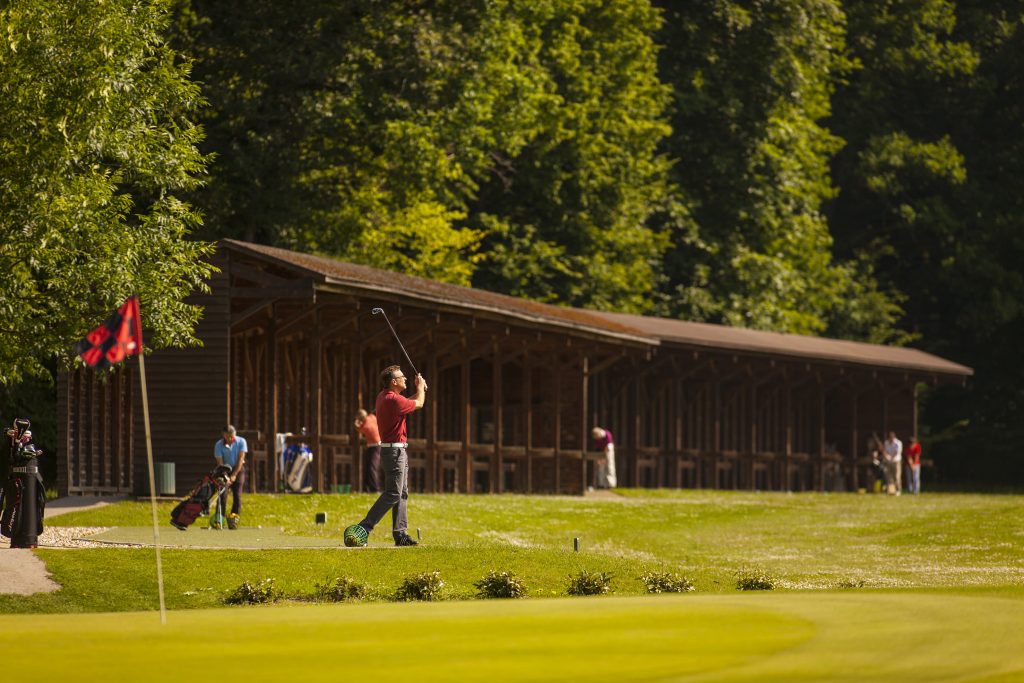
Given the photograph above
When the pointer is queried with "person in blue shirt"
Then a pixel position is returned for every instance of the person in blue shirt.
(231, 451)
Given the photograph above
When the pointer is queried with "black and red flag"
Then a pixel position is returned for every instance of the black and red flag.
(120, 336)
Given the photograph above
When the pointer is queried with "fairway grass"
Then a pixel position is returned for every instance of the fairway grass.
(941, 596)
(794, 636)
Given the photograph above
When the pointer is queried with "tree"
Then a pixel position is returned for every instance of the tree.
(439, 138)
(570, 216)
(752, 91)
(95, 141)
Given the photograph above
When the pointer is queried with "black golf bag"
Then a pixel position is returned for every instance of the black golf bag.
(22, 495)
(201, 497)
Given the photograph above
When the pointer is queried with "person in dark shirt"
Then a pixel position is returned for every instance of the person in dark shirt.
(392, 408)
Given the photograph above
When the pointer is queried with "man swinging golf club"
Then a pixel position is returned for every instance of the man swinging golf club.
(392, 408)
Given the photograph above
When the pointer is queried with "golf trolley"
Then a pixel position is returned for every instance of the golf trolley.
(22, 496)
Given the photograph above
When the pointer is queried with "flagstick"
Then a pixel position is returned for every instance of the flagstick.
(152, 486)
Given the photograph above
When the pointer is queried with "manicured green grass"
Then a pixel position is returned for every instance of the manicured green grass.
(795, 636)
(805, 540)
(942, 595)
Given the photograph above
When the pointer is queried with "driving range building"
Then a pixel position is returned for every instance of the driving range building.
(515, 387)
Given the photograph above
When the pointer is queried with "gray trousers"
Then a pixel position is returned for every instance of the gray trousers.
(395, 467)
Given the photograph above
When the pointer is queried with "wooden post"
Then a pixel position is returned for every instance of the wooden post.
(316, 391)
(784, 479)
(355, 374)
(528, 402)
(466, 472)
(558, 425)
(271, 398)
(637, 428)
(820, 457)
(433, 465)
(584, 431)
(497, 483)
(854, 438)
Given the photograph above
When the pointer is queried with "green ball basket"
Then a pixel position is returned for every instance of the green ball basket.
(356, 536)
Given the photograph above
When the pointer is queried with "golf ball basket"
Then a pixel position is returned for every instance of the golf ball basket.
(356, 536)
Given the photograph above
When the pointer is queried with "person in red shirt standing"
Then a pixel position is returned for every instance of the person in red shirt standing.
(914, 466)
(366, 423)
(392, 408)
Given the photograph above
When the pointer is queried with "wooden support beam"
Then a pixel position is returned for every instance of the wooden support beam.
(272, 398)
(359, 476)
(528, 401)
(338, 327)
(584, 431)
(558, 429)
(433, 464)
(316, 393)
(497, 405)
(465, 475)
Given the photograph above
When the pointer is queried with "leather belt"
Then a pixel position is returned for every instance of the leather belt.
(394, 445)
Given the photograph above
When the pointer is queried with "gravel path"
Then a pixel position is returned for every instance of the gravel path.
(21, 572)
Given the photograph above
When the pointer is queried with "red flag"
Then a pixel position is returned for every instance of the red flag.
(118, 337)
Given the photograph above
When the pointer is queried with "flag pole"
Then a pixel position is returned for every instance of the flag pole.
(152, 481)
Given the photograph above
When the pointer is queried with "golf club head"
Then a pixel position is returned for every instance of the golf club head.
(376, 311)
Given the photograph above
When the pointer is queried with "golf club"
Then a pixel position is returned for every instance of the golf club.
(380, 311)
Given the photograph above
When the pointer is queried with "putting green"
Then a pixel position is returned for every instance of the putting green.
(853, 636)
(246, 538)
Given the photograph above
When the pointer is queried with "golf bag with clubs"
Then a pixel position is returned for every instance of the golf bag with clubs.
(295, 461)
(22, 496)
(200, 498)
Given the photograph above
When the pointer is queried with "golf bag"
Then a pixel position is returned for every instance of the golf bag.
(201, 497)
(295, 461)
(22, 495)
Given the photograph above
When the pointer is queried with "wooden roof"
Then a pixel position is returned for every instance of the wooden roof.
(644, 330)
(707, 336)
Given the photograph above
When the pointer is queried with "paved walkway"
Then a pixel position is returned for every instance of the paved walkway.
(21, 572)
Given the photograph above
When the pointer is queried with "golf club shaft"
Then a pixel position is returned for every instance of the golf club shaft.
(404, 353)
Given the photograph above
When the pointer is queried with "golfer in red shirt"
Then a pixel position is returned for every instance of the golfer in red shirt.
(392, 408)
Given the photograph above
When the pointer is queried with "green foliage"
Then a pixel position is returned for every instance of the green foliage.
(666, 582)
(426, 586)
(340, 589)
(500, 585)
(752, 88)
(258, 594)
(96, 143)
(586, 582)
(509, 144)
(755, 580)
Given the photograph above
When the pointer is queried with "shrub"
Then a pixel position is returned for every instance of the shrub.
(589, 583)
(426, 586)
(849, 583)
(503, 585)
(339, 590)
(755, 580)
(666, 582)
(248, 594)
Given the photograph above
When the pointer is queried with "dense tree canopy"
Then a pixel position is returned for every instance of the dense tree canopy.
(839, 167)
(431, 137)
(95, 140)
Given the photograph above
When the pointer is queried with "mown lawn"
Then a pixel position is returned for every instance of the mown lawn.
(807, 541)
(941, 593)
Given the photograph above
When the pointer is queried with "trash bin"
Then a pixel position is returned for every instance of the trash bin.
(164, 475)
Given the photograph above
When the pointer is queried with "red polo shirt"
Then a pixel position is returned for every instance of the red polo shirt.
(392, 408)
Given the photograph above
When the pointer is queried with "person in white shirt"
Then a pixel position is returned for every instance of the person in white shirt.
(893, 453)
